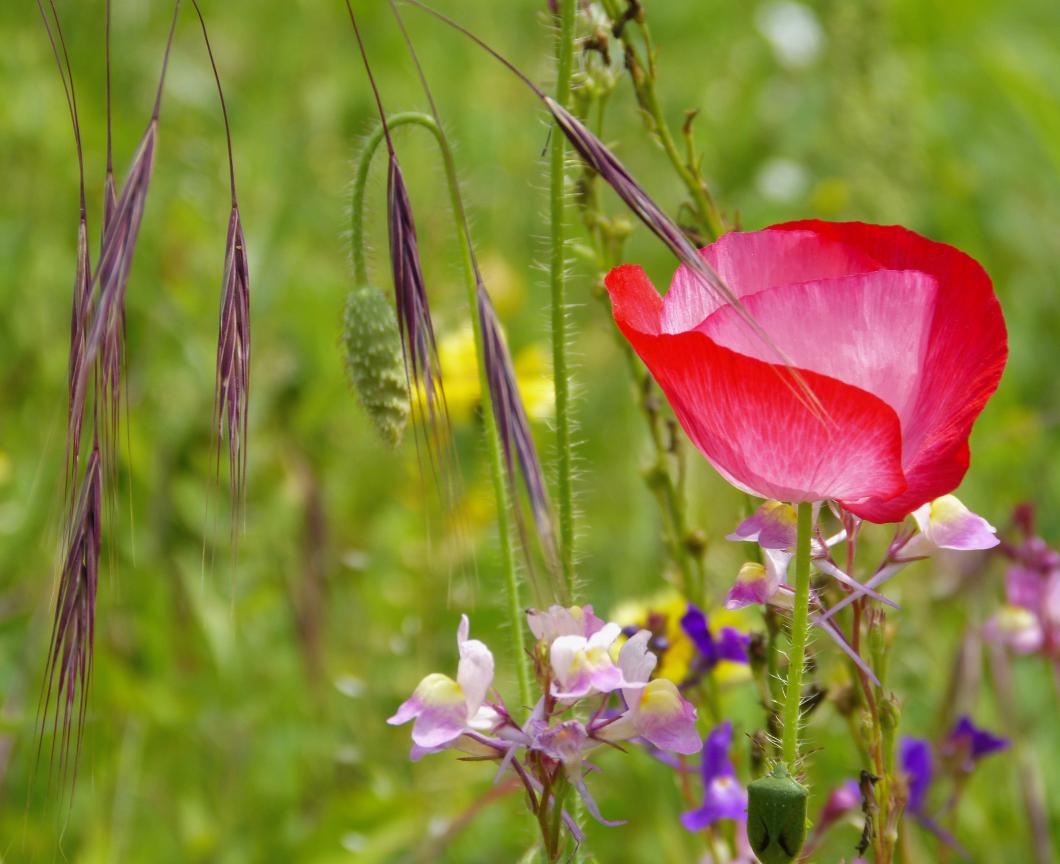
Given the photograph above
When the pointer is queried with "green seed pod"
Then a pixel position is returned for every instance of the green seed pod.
(374, 361)
(776, 816)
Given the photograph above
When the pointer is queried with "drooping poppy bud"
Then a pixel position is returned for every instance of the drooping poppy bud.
(776, 816)
(374, 361)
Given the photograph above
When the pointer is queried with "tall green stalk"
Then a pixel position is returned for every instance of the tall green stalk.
(558, 287)
(493, 443)
(799, 626)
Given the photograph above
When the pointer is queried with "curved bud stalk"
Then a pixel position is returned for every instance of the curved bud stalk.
(419, 346)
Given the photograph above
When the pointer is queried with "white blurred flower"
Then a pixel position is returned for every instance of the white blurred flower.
(792, 30)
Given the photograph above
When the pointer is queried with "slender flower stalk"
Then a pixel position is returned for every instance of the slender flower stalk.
(232, 373)
(799, 628)
(82, 289)
(558, 291)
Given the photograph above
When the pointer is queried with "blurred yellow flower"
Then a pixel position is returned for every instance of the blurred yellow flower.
(456, 353)
(661, 614)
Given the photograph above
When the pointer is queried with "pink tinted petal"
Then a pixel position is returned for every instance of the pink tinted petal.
(605, 679)
(753, 261)
(1017, 628)
(951, 525)
(408, 709)
(758, 432)
(562, 621)
(605, 636)
(567, 658)
(753, 586)
(772, 526)
(475, 671)
(868, 330)
(565, 742)
(666, 719)
(439, 708)
(1024, 587)
(635, 661)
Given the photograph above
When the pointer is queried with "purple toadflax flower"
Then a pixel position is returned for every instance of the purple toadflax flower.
(723, 795)
(729, 644)
(961, 750)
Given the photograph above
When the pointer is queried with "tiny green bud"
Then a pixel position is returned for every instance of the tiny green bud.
(776, 816)
(374, 361)
(890, 712)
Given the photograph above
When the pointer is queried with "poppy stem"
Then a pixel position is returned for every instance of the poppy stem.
(558, 288)
(799, 627)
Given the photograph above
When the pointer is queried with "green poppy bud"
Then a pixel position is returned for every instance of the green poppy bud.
(776, 816)
(374, 361)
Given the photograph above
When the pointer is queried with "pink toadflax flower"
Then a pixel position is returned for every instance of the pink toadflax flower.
(445, 709)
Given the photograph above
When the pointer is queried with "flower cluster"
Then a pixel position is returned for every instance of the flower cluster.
(596, 690)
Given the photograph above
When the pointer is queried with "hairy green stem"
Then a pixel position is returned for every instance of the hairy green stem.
(799, 627)
(558, 289)
(493, 442)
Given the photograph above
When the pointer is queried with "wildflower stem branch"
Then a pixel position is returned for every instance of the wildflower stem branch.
(500, 489)
(799, 627)
(558, 288)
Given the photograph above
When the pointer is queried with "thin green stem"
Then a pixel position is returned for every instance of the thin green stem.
(799, 627)
(644, 80)
(496, 464)
(558, 288)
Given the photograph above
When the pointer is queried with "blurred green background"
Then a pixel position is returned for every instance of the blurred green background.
(237, 707)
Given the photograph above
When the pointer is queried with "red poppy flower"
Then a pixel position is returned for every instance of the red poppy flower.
(901, 340)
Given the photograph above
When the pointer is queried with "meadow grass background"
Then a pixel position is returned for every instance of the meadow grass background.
(237, 708)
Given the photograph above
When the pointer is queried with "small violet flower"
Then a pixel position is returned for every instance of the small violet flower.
(914, 755)
(962, 748)
(730, 644)
(443, 708)
(723, 796)
(967, 744)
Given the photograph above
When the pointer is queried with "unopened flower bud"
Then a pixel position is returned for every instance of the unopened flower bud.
(776, 817)
(374, 361)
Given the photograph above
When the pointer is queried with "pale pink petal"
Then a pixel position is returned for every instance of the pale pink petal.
(475, 671)
(666, 719)
(636, 661)
(440, 710)
(772, 526)
(951, 525)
